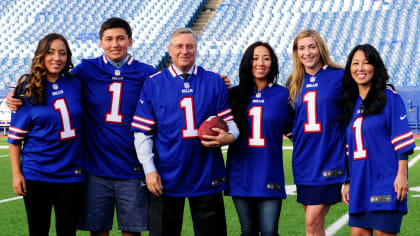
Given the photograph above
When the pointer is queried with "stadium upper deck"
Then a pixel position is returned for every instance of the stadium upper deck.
(392, 26)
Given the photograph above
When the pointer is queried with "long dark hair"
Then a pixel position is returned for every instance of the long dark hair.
(31, 85)
(376, 98)
(241, 95)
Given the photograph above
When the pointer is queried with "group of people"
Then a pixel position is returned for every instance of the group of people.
(114, 133)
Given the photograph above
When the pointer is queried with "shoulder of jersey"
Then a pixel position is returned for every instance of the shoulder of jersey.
(390, 90)
(280, 88)
(155, 74)
(208, 73)
(91, 60)
(142, 63)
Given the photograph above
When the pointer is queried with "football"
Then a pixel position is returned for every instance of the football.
(207, 125)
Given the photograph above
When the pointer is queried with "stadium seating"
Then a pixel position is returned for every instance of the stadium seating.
(391, 26)
(25, 22)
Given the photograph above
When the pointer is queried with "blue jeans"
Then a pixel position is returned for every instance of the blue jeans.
(258, 215)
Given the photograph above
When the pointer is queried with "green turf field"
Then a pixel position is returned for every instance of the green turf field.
(13, 216)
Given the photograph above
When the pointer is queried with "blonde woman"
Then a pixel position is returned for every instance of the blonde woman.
(315, 91)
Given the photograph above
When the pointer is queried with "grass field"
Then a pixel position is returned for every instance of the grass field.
(13, 216)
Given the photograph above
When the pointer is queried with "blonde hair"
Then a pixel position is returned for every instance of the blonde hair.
(294, 81)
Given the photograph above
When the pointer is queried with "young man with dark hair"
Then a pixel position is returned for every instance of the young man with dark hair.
(111, 88)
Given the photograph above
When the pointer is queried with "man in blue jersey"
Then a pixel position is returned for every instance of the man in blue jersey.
(172, 105)
(111, 88)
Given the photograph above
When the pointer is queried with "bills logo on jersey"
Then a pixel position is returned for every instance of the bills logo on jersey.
(55, 93)
(187, 90)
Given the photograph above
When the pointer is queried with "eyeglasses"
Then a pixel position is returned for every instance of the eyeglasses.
(180, 47)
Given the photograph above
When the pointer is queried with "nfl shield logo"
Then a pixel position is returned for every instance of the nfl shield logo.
(55, 86)
(117, 72)
(312, 79)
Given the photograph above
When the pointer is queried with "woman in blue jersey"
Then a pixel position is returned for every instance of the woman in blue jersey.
(255, 162)
(379, 141)
(48, 169)
(315, 92)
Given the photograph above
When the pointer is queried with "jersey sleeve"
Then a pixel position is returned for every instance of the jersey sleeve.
(401, 136)
(144, 120)
(223, 110)
(19, 125)
(288, 126)
(78, 71)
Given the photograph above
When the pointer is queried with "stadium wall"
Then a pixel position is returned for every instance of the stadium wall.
(411, 98)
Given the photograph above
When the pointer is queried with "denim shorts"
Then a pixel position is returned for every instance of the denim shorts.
(316, 195)
(130, 197)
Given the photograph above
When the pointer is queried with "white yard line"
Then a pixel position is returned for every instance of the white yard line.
(10, 199)
(337, 225)
(342, 221)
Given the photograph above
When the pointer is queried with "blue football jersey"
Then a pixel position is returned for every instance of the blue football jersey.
(110, 97)
(255, 162)
(51, 134)
(318, 138)
(172, 110)
(374, 143)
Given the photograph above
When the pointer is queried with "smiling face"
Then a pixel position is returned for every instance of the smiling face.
(309, 55)
(261, 63)
(183, 50)
(55, 59)
(115, 43)
(361, 70)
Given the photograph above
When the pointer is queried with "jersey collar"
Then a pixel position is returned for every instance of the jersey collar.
(128, 59)
(175, 71)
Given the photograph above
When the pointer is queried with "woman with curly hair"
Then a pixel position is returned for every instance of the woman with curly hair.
(48, 169)
(379, 141)
(318, 162)
(255, 160)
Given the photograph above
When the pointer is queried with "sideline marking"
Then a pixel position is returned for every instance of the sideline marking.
(342, 221)
(10, 199)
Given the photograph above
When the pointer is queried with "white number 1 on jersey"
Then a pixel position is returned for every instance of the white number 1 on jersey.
(61, 106)
(360, 152)
(312, 126)
(114, 116)
(187, 103)
(256, 140)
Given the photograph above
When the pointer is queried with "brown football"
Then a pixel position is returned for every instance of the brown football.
(207, 125)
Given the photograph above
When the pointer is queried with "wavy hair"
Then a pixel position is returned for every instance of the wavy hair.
(31, 85)
(294, 81)
(241, 95)
(375, 100)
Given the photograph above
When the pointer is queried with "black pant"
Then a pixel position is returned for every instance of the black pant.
(208, 215)
(41, 197)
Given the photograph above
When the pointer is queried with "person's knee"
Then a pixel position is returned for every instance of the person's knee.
(269, 227)
(313, 223)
